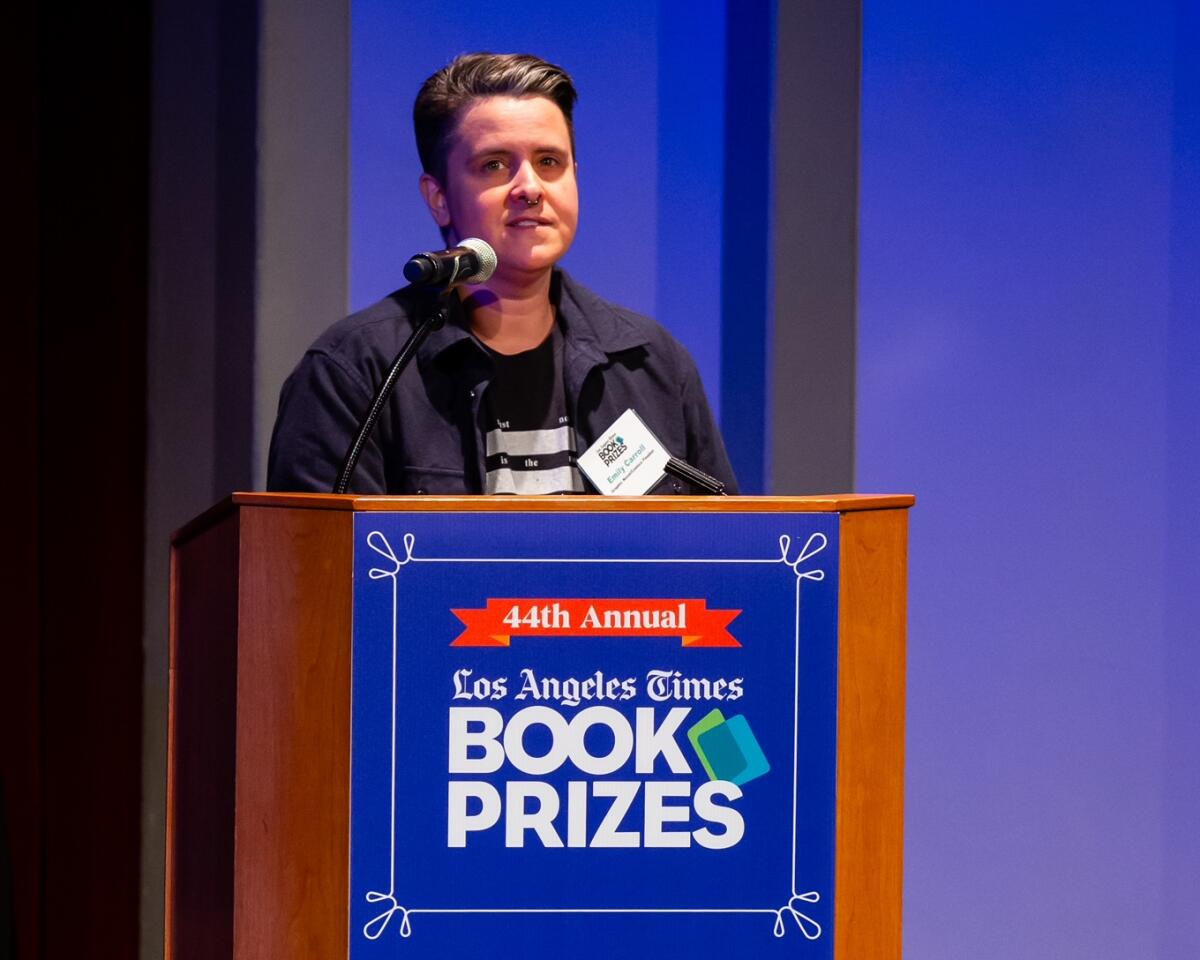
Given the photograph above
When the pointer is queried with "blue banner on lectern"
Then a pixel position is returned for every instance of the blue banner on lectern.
(593, 735)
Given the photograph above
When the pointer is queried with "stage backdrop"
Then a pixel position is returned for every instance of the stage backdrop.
(1028, 364)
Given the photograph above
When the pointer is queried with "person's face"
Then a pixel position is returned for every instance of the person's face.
(510, 180)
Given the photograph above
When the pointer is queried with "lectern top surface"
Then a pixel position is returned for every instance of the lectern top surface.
(823, 503)
(354, 503)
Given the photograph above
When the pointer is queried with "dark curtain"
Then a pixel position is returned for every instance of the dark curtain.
(74, 393)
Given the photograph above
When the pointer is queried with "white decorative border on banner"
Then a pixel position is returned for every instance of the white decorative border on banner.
(809, 927)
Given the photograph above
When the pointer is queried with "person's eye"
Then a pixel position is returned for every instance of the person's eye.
(550, 162)
(493, 166)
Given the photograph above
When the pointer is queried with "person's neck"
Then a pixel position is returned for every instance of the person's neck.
(512, 317)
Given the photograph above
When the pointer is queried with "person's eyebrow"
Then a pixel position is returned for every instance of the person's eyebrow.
(507, 146)
(488, 151)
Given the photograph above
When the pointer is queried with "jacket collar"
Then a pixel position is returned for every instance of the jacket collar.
(593, 330)
(592, 321)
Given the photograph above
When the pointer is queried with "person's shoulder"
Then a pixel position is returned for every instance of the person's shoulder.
(370, 331)
(618, 327)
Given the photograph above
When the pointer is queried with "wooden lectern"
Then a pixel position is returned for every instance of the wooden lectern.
(259, 757)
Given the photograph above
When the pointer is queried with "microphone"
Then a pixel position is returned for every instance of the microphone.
(472, 261)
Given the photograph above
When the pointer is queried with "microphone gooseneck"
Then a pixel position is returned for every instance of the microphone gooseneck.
(472, 261)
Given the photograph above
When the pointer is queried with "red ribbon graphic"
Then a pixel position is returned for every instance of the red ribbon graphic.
(504, 618)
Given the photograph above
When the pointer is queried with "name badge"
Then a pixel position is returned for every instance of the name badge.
(627, 460)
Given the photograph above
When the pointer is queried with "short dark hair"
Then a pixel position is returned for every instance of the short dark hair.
(474, 75)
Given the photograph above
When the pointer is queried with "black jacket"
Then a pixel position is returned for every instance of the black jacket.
(430, 436)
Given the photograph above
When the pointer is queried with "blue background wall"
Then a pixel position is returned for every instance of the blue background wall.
(1028, 365)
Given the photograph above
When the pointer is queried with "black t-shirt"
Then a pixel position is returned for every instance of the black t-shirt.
(530, 438)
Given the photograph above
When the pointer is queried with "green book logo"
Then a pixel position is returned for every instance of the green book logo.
(728, 748)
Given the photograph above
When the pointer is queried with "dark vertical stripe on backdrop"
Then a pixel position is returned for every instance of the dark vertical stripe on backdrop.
(235, 238)
(745, 247)
(814, 226)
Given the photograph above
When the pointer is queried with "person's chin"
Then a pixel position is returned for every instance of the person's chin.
(532, 260)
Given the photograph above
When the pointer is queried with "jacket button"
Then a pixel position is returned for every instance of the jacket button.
(420, 489)
(678, 487)
(471, 394)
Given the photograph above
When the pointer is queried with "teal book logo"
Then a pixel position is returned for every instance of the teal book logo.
(728, 748)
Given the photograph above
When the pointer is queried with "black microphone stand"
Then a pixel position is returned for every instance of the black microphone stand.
(433, 320)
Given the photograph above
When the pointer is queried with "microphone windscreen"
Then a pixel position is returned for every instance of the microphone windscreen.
(486, 257)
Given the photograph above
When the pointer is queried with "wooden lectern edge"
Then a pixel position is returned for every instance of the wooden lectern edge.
(872, 615)
(823, 503)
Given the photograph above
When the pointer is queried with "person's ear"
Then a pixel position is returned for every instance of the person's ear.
(435, 199)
